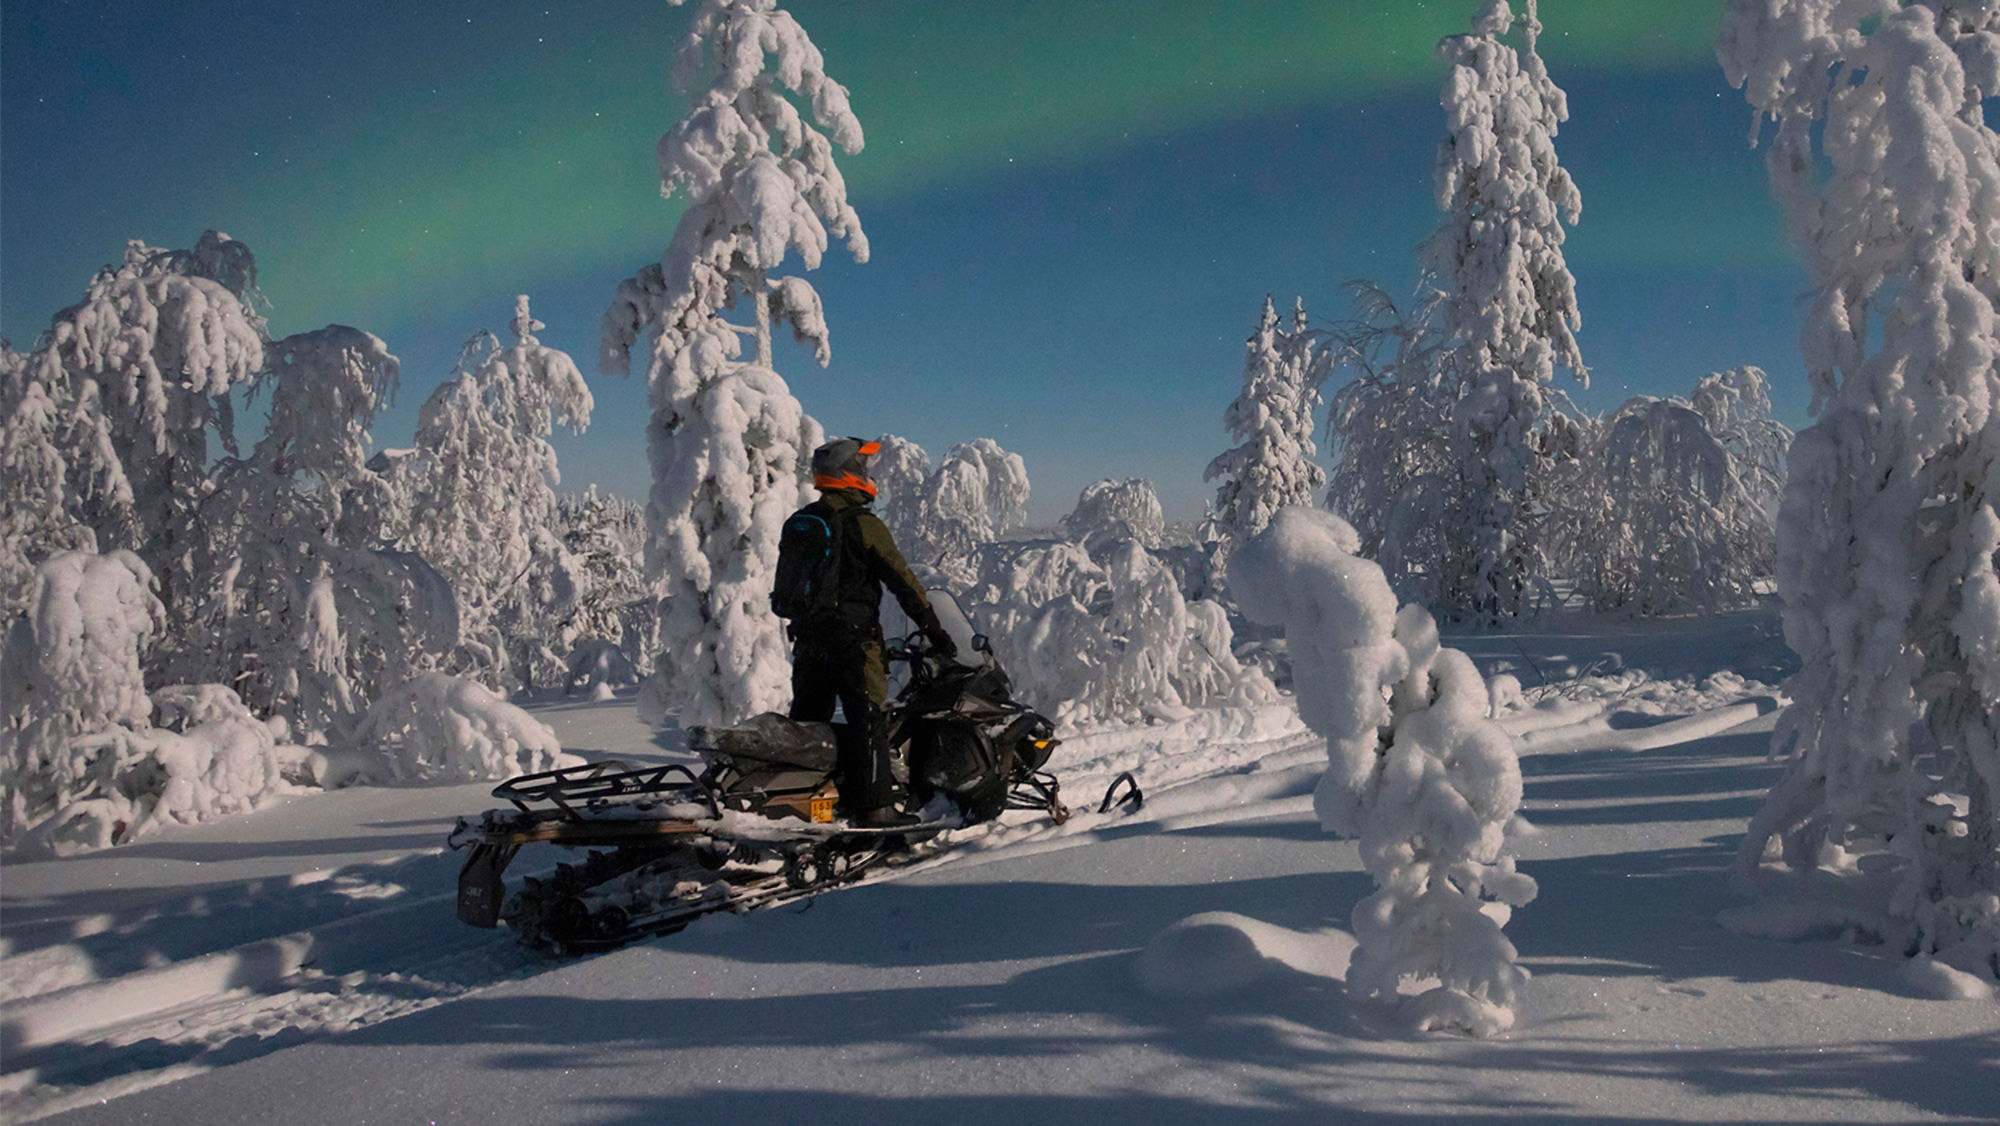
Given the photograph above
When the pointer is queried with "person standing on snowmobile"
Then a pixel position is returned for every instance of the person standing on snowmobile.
(835, 556)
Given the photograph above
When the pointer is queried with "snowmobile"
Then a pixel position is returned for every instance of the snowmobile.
(756, 825)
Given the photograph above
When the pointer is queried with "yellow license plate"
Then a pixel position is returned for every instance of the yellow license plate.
(822, 808)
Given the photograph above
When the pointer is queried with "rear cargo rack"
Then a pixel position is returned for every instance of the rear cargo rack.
(572, 786)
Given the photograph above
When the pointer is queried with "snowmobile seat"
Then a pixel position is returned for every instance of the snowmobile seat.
(768, 741)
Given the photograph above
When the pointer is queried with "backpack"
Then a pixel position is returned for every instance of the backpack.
(807, 588)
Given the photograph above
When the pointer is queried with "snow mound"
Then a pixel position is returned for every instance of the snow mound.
(438, 728)
(1939, 982)
(1220, 952)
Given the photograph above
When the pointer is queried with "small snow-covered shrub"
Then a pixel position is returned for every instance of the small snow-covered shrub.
(1419, 774)
(81, 765)
(221, 760)
(438, 728)
(71, 669)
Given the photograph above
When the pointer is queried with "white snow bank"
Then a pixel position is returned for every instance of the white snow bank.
(67, 1014)
(438, 728)
(1218, 952)
(1597, 733)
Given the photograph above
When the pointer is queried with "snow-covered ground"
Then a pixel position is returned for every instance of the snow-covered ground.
(302, 964)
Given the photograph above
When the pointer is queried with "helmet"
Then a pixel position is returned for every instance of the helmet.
(843, 464)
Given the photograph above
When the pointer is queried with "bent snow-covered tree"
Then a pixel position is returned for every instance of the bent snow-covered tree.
(153, 351)
(1676, 510)
(730, 447)
(1395, 478)
(1415, 770)
(1272, 418)
(1888, 528)
(1509, 302)
(975, 494)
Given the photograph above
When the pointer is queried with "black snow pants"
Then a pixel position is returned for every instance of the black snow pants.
(848, 667)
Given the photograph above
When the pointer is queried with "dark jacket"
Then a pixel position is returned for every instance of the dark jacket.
(869, 562)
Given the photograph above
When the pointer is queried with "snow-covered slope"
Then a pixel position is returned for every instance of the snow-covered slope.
(1035, 974)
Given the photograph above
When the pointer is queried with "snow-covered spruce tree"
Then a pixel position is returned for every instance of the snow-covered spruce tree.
(730, 447)
(1420, 774)
(157, 344)
(1675, 511)
(1509, 302)
(1887, 532)
(1272, 419)
(1396, 478)
(482, 503)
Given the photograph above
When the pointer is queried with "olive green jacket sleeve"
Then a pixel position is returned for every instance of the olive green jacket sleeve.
(888, 565)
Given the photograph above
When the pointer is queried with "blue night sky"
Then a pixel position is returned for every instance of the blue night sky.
(1075, 209)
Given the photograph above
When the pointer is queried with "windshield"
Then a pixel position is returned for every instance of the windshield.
(950, 615)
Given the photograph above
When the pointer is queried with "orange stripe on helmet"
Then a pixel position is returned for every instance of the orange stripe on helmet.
(869, 449)
(845, 481)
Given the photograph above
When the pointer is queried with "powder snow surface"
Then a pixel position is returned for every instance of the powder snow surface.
(1182, 964)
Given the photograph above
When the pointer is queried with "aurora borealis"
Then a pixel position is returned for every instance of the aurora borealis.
(1075, 207)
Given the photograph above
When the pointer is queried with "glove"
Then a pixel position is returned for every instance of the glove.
(941, 642)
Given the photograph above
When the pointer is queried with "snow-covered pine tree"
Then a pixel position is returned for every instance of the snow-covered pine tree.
(1509, 303)
(1887, 532)
(154, 348)
(482, 502)
(730, 447)
(1272, 419)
